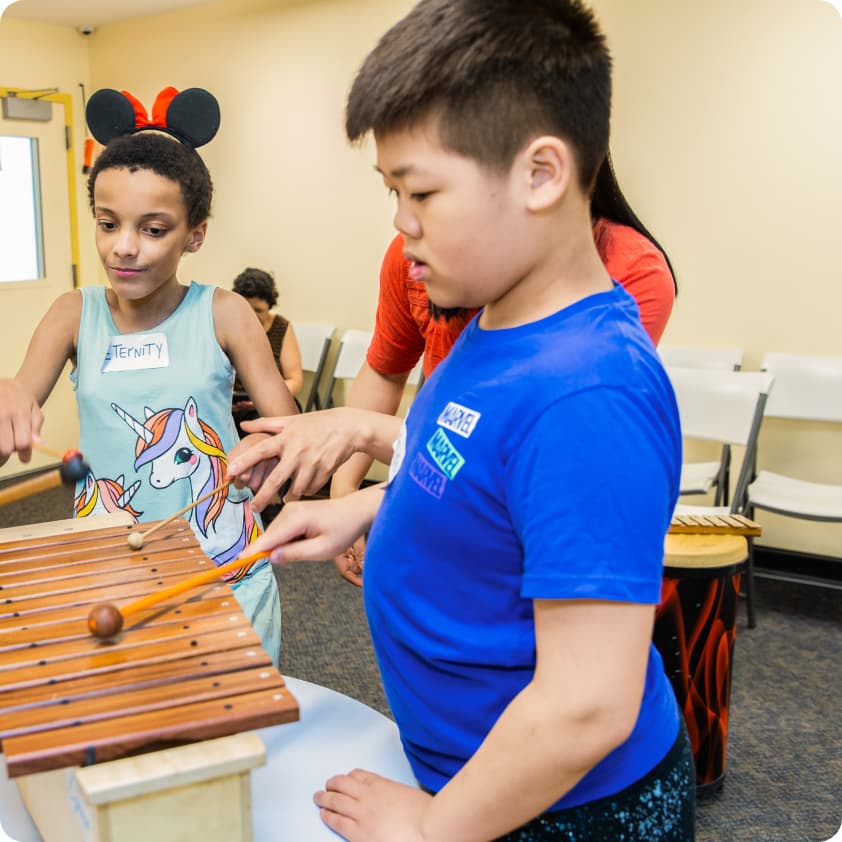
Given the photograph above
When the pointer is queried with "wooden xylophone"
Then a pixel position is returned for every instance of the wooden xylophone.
(178, 673)
(713, 525)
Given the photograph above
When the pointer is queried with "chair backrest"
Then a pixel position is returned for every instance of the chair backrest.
(726, 407)
(806, 387)
(721, 359)
(313, 341)
(349, 359)
(719, 405)
(416, 376)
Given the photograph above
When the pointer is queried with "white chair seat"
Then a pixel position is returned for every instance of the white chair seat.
(811, 500)
(683, 509)
(698, 477)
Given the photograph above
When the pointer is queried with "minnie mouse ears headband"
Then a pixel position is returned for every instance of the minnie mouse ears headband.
(191, 116)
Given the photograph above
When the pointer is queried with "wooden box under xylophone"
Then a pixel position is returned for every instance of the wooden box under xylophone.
(143, 736)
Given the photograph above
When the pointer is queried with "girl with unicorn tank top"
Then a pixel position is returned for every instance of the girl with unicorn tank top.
(154, 360)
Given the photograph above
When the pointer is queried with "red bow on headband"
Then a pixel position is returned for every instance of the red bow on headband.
(159, 109)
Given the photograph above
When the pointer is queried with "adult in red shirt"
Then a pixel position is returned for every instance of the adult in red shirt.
(407, 325)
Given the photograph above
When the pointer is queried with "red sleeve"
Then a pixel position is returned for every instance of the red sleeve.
(398, 340)
(636, 263)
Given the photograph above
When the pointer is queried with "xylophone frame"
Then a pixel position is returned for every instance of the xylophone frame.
(198, 790)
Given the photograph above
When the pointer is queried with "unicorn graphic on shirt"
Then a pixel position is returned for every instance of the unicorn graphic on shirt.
(103, 496)
(178, 445)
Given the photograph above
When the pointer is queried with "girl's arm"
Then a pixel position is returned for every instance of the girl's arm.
(243, 339)
(53, 343)
(290, 360)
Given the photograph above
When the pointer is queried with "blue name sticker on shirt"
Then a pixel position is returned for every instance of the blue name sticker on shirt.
(136, 351)
(458, 419)
(444, 454)
(427, 476)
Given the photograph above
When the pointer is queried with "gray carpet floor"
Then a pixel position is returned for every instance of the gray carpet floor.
(784, 764)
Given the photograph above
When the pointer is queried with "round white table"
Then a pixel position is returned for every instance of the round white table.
(335, 734)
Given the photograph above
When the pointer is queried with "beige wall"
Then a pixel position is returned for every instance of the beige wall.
(727, 138)
(290, 195)
(36, 56)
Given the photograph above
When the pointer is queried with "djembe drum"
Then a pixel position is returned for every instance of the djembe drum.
(695, 628)
(189, 673)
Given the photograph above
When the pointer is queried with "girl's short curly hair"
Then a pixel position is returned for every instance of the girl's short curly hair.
(166, 157)
(256, 283)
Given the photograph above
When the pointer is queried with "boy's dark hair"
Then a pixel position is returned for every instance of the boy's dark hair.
(496, 73)
(256, 283)
(166, 157)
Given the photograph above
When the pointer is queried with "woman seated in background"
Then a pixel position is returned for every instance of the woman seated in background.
(258, 288)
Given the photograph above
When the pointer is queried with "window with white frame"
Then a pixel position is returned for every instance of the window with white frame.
(21, 234)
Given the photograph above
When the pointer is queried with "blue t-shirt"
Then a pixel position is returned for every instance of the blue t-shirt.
(539, 462)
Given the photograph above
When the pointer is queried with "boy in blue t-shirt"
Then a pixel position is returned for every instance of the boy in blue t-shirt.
(514, 561)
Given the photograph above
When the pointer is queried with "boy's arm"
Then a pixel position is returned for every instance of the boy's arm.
(53, 343)
(581, 704)
(243, 339)
(551, 735)
(316, 529)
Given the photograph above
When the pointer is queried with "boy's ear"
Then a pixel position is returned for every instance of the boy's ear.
(550, 171)
(195, 238)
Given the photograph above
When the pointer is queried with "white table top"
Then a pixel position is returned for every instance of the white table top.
(335, 734)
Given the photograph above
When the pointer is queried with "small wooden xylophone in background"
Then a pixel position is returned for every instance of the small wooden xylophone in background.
(713, 525)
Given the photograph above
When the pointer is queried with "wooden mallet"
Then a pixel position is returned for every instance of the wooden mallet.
(73, 469)
(106, 619)
(137, 539)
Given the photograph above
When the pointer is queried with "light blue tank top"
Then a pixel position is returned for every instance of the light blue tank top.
(155, 419)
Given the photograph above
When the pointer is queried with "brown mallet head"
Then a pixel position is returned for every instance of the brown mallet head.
(105, 620)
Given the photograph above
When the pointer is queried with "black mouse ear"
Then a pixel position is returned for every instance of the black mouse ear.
(109, 114)
(193, 115)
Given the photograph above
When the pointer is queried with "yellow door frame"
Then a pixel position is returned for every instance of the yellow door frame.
(66, 101)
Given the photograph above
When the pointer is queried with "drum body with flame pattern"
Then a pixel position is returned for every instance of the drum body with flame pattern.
(695, 630)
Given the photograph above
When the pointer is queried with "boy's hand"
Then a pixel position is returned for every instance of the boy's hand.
(316, 530)
(20, 421)
(365, 807)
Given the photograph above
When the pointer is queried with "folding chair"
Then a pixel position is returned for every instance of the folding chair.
(314, 341)
(720, 359)
(726, 407)
(416, 376)
(349, 359)
(701, 477)
(807, 388)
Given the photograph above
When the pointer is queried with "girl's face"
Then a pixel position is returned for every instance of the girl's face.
(142, 231)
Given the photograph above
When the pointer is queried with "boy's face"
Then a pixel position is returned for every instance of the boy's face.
(464, 226)
(141, 231)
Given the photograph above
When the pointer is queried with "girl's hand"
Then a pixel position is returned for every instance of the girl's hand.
(20, 421)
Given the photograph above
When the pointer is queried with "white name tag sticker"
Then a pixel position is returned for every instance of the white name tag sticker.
(137, 351)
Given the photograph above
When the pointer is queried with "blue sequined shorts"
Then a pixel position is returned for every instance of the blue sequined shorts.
(660, 807)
